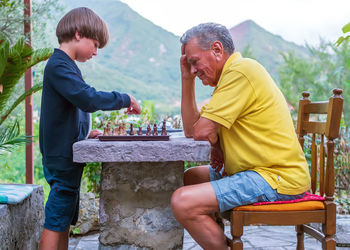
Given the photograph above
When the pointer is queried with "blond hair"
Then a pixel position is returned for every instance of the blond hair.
(84, 21)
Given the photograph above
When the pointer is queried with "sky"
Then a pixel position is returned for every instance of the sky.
(299, 21)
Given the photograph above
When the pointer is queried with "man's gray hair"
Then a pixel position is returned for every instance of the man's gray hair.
(207, 33)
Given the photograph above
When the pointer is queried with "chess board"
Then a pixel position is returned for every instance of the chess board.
(119, 133)
(133, 137)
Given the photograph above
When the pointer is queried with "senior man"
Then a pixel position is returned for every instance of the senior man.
(251, 133)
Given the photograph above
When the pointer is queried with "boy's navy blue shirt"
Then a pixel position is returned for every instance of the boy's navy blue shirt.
(65, 104)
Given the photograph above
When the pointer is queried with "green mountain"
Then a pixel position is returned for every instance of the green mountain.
(142, 58)
(264, 46)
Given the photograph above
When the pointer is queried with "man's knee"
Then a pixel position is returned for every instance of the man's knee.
(180, 203)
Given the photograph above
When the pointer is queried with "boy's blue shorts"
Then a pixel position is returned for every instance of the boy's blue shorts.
(62, 206)
(244, 188)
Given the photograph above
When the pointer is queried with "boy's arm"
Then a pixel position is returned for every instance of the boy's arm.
(83, 96)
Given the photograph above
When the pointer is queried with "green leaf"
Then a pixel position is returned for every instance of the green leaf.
(30, 91)
(20, 58)
(4, 50)
(339, 41)
(346, 28)
(10, 138)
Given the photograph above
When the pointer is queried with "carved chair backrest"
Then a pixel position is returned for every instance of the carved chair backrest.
(322, 164)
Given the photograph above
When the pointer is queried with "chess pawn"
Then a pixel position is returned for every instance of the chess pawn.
(115, 131)
(123, 130)
(140, 131)
(164, 128)
(105, 131)
(155, 132)
(109, 132)
(131, 129)
(148, 130)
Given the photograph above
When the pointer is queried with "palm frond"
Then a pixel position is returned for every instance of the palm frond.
(4, 51)
(20, 58)
(32, 90)
(10, 138)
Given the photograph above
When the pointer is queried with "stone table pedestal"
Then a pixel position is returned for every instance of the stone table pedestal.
(137, 181)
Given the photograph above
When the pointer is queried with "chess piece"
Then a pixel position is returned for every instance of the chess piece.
(123, 129)
(164, 129)
(155, 131)
(148, 130)
(105, 133)
(115, 131)
(108, 129)
(131, 129)
(140, 131)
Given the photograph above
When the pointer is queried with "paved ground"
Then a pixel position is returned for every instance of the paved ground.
(254, 237)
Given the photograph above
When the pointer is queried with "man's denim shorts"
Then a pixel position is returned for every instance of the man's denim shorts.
(62, 206)
(244, 188)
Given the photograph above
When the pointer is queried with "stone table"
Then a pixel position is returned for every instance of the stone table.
(137, 181)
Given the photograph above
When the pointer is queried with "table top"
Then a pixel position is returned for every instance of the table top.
(178, 148)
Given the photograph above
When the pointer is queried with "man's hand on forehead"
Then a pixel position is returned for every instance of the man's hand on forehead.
(183, 47)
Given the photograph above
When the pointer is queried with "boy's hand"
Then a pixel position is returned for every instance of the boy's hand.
(94, 134)
(134, 108)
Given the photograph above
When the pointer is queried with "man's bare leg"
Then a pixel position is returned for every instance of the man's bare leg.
(52, 240)
(196, 175)
(193, 207)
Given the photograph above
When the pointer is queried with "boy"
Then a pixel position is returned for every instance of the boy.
(66, 103)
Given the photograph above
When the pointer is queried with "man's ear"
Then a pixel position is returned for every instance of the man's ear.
(217, 49)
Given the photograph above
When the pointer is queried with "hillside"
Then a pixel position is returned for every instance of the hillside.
(142, 58)
(265, 46)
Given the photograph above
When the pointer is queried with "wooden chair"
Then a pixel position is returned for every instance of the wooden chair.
(298, 214)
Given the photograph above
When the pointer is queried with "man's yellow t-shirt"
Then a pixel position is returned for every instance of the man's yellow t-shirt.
(257, 131)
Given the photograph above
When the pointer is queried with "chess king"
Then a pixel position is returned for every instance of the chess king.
(250, 161)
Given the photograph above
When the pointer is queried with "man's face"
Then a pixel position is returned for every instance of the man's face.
(203, 63)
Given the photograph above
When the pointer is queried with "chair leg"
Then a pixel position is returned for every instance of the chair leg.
(328, 243)
(300, 237)
(236, 230)
(329, 228)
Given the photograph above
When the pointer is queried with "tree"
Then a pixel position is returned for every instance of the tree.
(11, 19)
(328, 67)
(248, 52)
(14, 61)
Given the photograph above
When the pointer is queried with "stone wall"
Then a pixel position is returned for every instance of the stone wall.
(135, 210)
(88, 214)
(21, 224)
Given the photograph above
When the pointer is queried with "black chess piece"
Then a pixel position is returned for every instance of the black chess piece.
(131, 129)
(164, 129)
(148, 130)
(155, 130)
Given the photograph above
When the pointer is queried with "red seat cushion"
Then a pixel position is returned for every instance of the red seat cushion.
(307, 197)
(308, 202)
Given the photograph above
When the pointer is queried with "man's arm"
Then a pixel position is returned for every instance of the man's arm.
(206, 130)
(189, 110)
